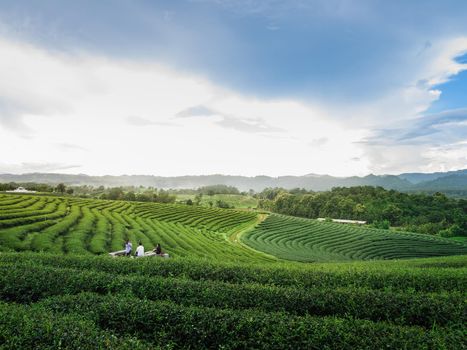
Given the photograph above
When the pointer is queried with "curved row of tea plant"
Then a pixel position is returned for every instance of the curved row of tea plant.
(193, 303)
(195, 216)
(309, 240)
(89, 226)
(26, 283)
(92, 321)
(191, 327)
(37, 327)
(432, 275)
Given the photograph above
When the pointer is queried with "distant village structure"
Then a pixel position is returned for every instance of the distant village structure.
(342, 221)
(20, 190)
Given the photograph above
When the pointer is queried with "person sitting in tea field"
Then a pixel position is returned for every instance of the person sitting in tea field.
(128, 247)
(140, 250)
(158, 250)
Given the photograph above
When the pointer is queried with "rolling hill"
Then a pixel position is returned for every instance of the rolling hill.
(90, 226)
(309, 240)
(243, 183)
(403, 182)
(83, 226)
(230, 283)
(416, 178)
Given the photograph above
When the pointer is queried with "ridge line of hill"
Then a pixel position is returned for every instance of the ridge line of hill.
(426, 182)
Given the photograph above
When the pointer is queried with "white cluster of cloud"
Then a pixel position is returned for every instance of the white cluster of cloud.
(25, 167)
(114, 116)
(404, 137)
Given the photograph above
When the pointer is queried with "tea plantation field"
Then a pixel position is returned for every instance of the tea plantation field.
(69, 301)
(90, 226)
(309, 240)
(230, 283)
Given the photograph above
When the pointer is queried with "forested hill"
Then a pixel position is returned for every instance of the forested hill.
(449, 182)
(434, 214)
(243, 183)
(417, 178)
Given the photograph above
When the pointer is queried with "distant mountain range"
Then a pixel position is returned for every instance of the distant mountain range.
(417, 178)
(452, 181)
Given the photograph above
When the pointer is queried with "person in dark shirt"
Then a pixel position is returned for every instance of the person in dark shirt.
(158, 249)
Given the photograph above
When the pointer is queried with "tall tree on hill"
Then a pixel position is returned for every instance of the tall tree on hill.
(61, 188)
(198, 198)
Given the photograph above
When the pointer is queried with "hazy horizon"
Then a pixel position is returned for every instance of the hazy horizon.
(217, 174)
(198, 87)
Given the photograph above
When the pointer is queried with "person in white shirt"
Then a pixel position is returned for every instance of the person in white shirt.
(139, 250)
(128, 248)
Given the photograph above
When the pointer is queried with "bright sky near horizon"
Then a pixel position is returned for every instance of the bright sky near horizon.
(243, 87)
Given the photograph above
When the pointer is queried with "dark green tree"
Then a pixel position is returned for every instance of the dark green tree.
(61, 188)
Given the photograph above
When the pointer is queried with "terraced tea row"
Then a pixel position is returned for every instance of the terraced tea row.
(193, 303)
(195, 216)
(309, 240)
(83, 226)
(433, 275)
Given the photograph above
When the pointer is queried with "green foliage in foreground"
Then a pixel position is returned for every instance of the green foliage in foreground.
(424, 275)
(36, 327)
(91, 301)
(201, 328)
(25, 283)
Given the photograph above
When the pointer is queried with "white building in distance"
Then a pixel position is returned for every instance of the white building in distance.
(343, 221)
(21, 190)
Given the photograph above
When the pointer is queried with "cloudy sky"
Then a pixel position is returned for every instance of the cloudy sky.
(234, 87)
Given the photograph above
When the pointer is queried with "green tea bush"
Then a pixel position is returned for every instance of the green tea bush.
(38, 207)
(56, 214)
(75, 241)
(13, 237)
(309, 240)
(28, 283)
(196, 231)
(193, 327)
(98, 243)
(45, 240)
(398, 275)
(34, 327)
(118, 230)
(15, 202)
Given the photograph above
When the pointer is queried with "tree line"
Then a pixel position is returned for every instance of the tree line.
(125, 193)
(38, 187)
(434, 214)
